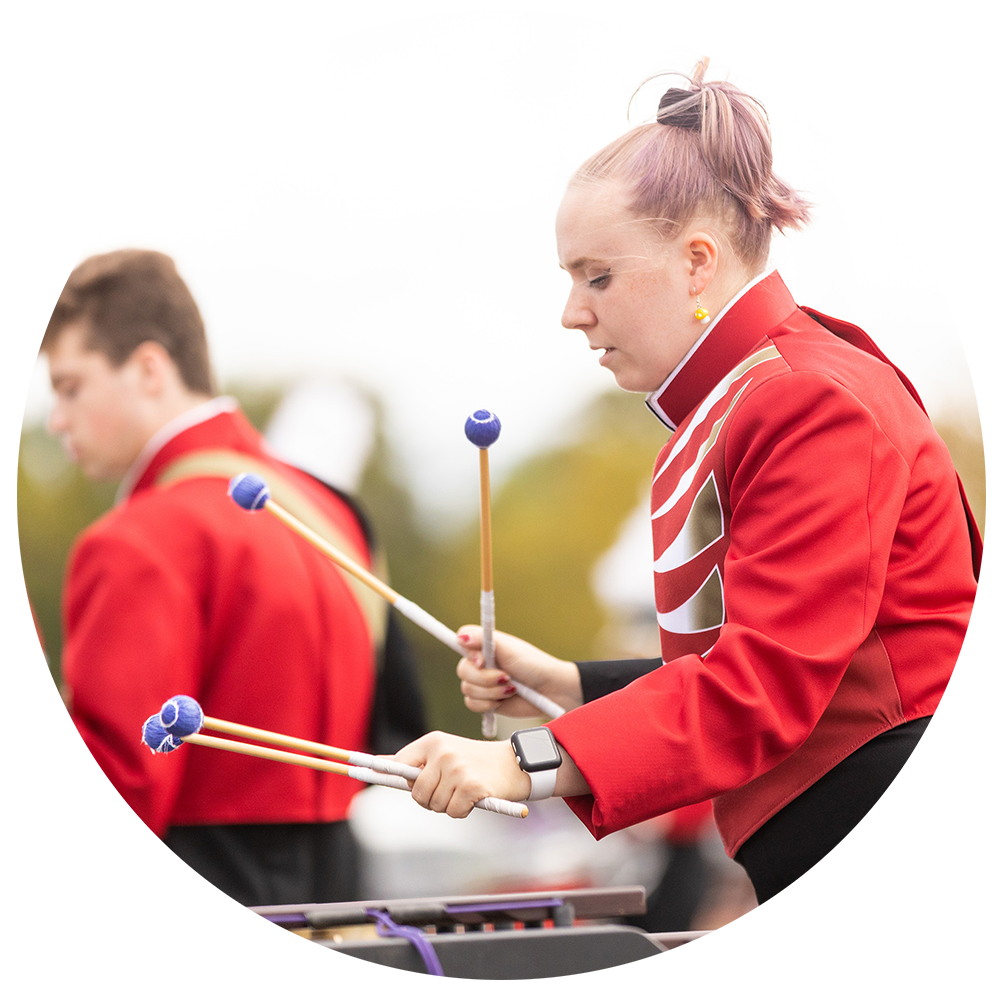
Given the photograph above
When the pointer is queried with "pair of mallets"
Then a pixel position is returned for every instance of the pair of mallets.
(250, 491)
(181, 719)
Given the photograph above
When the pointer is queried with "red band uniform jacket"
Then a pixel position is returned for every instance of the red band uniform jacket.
(821, 599)
(177, 590)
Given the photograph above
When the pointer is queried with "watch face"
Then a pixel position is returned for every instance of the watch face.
(536, 749)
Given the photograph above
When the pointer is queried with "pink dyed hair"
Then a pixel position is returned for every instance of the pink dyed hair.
(722, 171)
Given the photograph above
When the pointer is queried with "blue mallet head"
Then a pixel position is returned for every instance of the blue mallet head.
(182, 716)
(249, 491)
(157, 737)
(482, 428)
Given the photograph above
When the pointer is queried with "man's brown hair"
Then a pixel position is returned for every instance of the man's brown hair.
(128, 297)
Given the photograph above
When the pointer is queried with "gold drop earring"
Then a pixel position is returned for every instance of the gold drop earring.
(700, 312)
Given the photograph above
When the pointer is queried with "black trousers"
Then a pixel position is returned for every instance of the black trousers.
(271, 864)
(878, 870)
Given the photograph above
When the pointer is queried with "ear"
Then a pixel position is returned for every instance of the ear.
(154, 367)
(701, 258)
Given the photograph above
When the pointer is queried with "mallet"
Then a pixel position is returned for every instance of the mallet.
(482, 429)
(181, 720)
(250, 491)
(160, 740)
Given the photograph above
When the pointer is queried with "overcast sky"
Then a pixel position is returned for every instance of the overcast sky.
(369, 189)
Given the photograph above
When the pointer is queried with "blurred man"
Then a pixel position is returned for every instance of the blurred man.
(176, 590)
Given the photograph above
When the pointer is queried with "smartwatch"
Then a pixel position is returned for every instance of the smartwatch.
(538, 755)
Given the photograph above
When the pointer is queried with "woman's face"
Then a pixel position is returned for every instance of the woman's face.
(633, 292)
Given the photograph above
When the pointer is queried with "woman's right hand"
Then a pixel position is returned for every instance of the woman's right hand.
(492, 689)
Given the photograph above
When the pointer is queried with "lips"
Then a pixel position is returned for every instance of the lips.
(606, 356)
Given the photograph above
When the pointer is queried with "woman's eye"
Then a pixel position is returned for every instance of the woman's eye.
(601, 280)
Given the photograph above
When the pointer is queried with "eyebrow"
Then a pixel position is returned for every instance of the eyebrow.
(578, 264)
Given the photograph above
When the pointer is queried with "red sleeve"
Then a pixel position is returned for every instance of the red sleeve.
(132, 639)
(815, 490)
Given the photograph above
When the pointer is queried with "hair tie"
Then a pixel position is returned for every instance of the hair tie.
(688, 118)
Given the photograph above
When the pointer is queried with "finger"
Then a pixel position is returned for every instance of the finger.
(468, 666)
(514, 707)
(418, 752)
(412, 754)
(425, 786)
(478, 705)
(444, 792)
(494, 693)
(471, 637)
(441, 799)
(480, 699)
(477, 676)
(460, 806)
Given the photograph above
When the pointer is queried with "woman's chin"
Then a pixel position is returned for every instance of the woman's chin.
(633, 383)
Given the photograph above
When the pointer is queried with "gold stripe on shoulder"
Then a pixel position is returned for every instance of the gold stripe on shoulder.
(229, 463)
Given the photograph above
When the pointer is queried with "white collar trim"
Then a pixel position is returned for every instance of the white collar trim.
(654, 395)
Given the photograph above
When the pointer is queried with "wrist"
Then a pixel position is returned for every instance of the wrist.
(538, 757)
(563, 684)
(519, 785)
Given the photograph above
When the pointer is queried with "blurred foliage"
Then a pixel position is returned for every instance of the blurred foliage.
(553, 518)
(54, 502)
(414, 557)
(258, 402)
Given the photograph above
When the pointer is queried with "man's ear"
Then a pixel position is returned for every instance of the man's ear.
(154, 366)
(701, 255)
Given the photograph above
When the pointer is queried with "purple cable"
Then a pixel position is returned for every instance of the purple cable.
(387, 927)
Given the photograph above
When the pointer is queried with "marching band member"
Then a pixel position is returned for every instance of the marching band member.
(809, 630)
(176, 590)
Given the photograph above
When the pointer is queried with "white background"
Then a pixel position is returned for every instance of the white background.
(374, 195)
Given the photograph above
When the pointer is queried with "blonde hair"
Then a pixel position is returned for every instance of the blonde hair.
(708, 155)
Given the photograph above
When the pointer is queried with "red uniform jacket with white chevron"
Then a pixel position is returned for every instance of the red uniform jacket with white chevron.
(815, 568)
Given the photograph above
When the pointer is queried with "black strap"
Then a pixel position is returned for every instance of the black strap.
(398, 710)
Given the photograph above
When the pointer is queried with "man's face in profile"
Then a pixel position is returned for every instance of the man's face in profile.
(97, 410)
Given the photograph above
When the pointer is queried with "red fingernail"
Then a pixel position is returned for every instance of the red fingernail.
(510, 690)
(464, 638)
(503, 678)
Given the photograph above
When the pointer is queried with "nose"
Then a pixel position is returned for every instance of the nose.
(577, 315)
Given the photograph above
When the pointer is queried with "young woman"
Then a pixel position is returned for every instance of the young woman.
(815, 562)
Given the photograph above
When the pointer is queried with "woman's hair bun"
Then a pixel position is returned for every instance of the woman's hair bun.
(680, 108)
(712, 155)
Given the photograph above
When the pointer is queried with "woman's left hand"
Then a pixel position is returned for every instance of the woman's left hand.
(457, 772)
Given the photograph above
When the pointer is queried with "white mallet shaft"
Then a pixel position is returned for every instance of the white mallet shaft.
(378, 763)
(487, 619)
(487, 605)
(414, 612)
(361, 773)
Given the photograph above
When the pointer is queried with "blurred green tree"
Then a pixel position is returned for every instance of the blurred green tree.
(54, 502)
